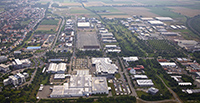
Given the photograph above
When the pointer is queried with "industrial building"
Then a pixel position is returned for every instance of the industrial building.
(191, 91)
(21, 63)
(140, 77)
(189, 45)
(164, 18)
(168, 64)
(153, 90)
(57, 68)
(130, 59)
(144, 82)
(156, 23)
(81, 84)
(112, 48)
(169, 33)
(83, 24)
(104, 67)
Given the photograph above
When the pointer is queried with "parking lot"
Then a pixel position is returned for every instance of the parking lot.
(45, 92)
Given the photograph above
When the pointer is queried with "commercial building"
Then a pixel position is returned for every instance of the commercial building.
(104, 67)
(4, 67)
(132, 71)
(57, 68)
(16, 79)
(153, 90)
(21, 63)
(144, 82)
(3, 59)
(17, 52)
(81, 84)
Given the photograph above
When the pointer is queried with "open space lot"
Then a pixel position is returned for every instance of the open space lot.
(136, 11)
(186, 11)
(87, 39)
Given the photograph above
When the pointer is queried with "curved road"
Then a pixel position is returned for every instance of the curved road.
(171, 91)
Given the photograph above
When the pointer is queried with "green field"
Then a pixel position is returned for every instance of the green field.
(114, 2)
(99, 8)
(165, 12)
(49, 22)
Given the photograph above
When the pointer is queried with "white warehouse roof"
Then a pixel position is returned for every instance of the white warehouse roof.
(130, 58)
(167, 63)
(83, 24)
(156, 22)
(145, 82)
(104, 65)
(140, 77)
(164, 18)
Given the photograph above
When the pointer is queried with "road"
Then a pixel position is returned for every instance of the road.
(54, 43)
(29, 82)
(171, 91)
(128, 79)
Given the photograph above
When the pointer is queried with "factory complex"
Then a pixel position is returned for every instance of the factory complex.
(81, 84)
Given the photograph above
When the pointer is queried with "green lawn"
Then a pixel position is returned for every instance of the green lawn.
(49, 22)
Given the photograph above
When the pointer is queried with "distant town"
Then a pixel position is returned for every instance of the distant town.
(99, 51)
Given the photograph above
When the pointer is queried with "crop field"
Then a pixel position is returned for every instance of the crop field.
(46, 27)
(136, 11)
(94, 3)
(186, 11)
(166, 2)
(50, 22)
(71, 4)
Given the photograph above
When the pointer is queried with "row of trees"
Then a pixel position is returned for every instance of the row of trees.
(120, 99)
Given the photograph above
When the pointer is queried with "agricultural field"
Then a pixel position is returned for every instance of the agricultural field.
(185, 11)
(71, 4)
(49, 22)
(49, 26)
(167, 2)
(137, 11)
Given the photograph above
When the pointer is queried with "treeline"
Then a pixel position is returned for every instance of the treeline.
(120, 99)
(25, 94)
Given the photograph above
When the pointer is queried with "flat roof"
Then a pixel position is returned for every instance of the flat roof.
(34, 47)
(59, 76)
(145, 82)
(167, 63)
(130, 58)
(103, 65)
(164, 18)
(18, 62)
(140, 76)
(99, 84)
(154, 22)
(83, 24)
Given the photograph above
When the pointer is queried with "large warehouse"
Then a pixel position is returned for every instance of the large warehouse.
(104, 67)
(57, 68)
(145, 82)
(81, 85)
(83, 24)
